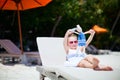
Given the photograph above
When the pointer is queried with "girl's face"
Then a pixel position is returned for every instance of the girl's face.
(72, 42)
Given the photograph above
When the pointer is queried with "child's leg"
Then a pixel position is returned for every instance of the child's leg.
(85, 64)
(93, 60)
(103, 68)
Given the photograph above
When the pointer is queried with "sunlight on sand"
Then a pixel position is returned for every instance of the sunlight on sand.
(18, 72)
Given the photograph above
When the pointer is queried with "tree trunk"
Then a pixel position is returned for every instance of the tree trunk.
(55, 26)
(114, 24)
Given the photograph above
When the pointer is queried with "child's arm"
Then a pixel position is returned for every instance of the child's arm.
(65, 42)
(91, 32)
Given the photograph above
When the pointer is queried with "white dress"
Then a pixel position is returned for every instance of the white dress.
(74, 57)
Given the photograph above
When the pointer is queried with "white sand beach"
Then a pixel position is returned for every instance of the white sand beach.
(18, 72)
(23, 72)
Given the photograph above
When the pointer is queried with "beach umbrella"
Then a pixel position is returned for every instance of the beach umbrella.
(99, 29)
(21, 5)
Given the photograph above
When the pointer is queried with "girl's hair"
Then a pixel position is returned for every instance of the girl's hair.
(74, 35)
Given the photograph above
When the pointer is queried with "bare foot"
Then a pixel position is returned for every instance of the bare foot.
(103, 68)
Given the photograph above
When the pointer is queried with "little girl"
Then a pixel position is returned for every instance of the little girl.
(76, 55)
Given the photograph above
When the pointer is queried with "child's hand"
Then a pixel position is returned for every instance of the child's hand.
(69, 32)
(91, 31)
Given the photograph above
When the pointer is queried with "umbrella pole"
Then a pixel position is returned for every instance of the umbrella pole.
(23, 56)
(20, 32)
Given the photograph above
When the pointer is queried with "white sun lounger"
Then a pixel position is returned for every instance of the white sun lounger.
(14, 52)
(53, 56)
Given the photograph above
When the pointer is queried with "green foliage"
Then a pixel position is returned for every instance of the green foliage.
(87, 13)
(91, 12)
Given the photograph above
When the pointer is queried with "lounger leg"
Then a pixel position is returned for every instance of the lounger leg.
(2, 59)
(39, 61)
(13, 60)
(42, 77)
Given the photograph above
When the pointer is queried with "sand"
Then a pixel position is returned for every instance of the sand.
(23, 72)
(18, 72)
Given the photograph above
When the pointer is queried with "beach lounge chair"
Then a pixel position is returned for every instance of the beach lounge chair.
(91, 49)
(53, 56)
(13, 51)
